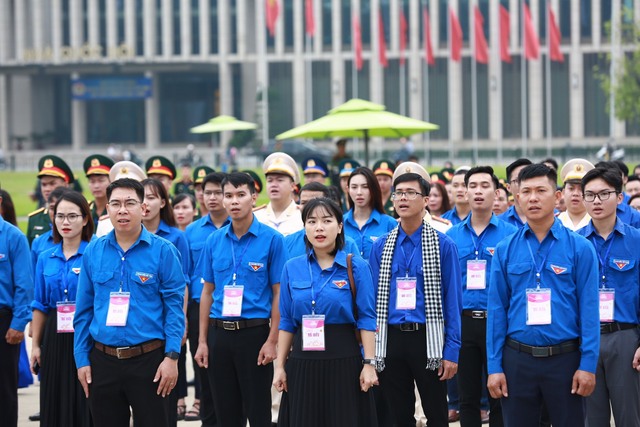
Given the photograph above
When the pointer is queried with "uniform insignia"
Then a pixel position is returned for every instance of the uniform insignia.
(340, 283)
(38, 227)
(76, 270)
(557, 269)
(157, 163)
(95, 162)
(48, 163)
(621, 263)
(384, 165)
(2, 256)
(311, 163)
(491, 250)
(144, 276)
(256, 265)
(124, 170)
(373, 238)
(202, 173)
(407, 169)
(347, 165)
(36, 212)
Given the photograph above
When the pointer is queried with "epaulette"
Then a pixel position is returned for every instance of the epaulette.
(105, 216)
(439, 219)
(257, 208)
(36, 212)
(92, 204)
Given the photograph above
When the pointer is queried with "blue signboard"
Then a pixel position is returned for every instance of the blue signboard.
(111, 88)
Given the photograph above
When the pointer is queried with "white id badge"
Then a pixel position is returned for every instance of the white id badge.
(118, 308)
(406, 293)
(232, 301)
(313, 332)
(607, 304)
(538, 306)
(65, 311)
(476, 274)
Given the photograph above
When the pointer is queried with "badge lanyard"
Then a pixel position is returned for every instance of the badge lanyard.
(237, 264)
(408, 260)
(313, 291)
(603, 261)
(535, 264)
(607, 296)
(477, 244)
(539, 300)
(119, 301)
(65, 310)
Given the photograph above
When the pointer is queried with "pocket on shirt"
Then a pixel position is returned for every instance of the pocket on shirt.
(621, 264)
(300, 289)
(103, 278)
(519, 268)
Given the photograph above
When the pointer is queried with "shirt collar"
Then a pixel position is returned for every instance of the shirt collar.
(415, 238)
(591, 230)
(556, 230)
(145, 236)
(164, 227)
(254, 228)
(493, 221)
(340, 258)
(58, 251)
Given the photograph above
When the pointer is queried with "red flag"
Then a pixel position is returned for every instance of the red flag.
(554, 38)
(456, 36)
(531, 43)
(382, 44)
(403, 37)
(310, 21)
(357, 42)
(272, 15)
(482, 50)
(504, 35)
(428, 47)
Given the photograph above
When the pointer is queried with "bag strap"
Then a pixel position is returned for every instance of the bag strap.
(352, 283)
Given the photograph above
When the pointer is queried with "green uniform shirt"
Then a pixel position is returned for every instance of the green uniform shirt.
(39, 223)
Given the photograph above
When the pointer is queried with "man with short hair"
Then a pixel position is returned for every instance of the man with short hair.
(129, 321)
(241, 265)
(16, 294)
(514, 215)
(314, 169)
(476, 238)
(542, 336)
(461, 205)
(501, 203)
(96, 169)
(625, 213)
(615, 243)
(418, 276)
(199, 174)
(633, 186)
(575, 216)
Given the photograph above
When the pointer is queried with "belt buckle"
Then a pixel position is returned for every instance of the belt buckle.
(119, 349)
(408, 327)
(230, 326)
(540, 351)
(477, 314)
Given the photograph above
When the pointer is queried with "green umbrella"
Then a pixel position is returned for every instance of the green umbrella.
(358, 118)
(223, 123)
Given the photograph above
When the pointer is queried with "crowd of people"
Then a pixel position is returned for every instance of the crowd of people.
(383, 296)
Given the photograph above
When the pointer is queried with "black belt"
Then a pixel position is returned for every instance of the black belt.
(607, 328)
(475, 314)
(4, 311)
(131, 351)
(552, 350)
(234, 325)
(408, 327)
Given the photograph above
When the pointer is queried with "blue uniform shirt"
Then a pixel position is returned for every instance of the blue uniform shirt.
(452, 215)
(16, 275)
(39, 244)
(468, 242)
(54, 275)
(377, 225)
(197, 234)
(569, 269)
(179, 240)
(621, 267)
(512, 217)
(407, 260)
(151, 272)
(296, 246)
(259, 258)
(628, 215)
(331, 289)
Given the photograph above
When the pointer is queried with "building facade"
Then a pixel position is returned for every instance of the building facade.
(88, 73)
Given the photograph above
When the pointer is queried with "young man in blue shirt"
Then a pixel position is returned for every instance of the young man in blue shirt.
(617, 387)
(16, 294)
(476, 238)
(241, 267)
(129, 321)
(542, 335)
(514, 215)
(460, 210)
(625, 213)
(418, 304)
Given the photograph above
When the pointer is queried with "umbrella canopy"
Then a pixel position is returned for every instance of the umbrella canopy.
(358, 118)
(223, 123)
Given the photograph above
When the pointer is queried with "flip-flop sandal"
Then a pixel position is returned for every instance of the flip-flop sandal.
(193, 414)
(182, 409)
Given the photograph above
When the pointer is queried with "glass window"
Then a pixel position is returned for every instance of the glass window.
(139, 28)
(288, 23)
(564, 20)
(194, 12)
(177, 28)
(128, 114)
(102, 18)
(66, 24)
(482, 98)
(160, 30)
(322, 88)
(438, 99)
(280, 98)
(365, 24)
(512, 98)
(605, 13)
(596, 118)
(560, 99)
(61, 110)
(213, 26)
(233, 27)
(361, 79)
(585, 20)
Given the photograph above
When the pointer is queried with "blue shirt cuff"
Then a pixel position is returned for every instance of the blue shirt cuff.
(82, 359)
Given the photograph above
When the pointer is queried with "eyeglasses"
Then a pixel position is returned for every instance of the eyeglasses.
(409, 194)
(604, 195)
(72, 217)
(128, 204)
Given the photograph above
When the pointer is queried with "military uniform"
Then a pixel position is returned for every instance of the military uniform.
(314, 169)
(347, 166)
(97, 164)
(161, 168)
(572, 173)
(385, 168)
(198, 176)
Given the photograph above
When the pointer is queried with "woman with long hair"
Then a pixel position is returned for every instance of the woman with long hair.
(62, 400)
(438, 199)
(366, 220)
(324, 379)
(184, 210)
(7, 210)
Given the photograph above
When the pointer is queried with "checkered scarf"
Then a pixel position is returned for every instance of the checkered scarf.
(432, 296)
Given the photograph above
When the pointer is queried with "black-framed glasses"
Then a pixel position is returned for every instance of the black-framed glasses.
(128, 204)
(603, 195)
(409, 194)
(72, 217)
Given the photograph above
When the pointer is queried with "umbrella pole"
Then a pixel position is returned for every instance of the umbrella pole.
(366, 148)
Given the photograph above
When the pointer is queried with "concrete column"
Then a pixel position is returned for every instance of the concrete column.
(56, 36)
(4, 31)
(78, 122)
(596, 17)
(226, 102)
(93, 15)
(319, 19)
(455, 90)
(536, 88)
(434, 16)
(151, 113)
(185, 27)
(241, 19)
(224, 29)
(130, 26)
(300, 91)
(205, 28)
(167, 28)
(38, 24)
(19, 27)
(76, 34)
(338, 84)
(618, 127)
(495, 75)
(149, 28)
(376, 74)
(515, 30)
(576, 76)
(415, 61)
(4, 114)
(280, 30)
(394, 28)
(112, 26)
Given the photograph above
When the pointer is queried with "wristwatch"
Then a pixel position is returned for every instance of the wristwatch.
(173, 355)
(371, 362)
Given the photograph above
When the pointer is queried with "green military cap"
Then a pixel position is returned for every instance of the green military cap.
(575, 169)
(384, 167)
(447, 174)
(200, 172)
(97, 164)
(160, 165)
(347, 166)
(256, 180)
(411, 167)
(51, 165)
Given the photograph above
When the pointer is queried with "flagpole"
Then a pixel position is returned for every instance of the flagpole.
(613, 71)
(264, 84)
(354, 65)
(523, 83)
(474, 91)
(548, 81)
(425, 88)
(309, 78)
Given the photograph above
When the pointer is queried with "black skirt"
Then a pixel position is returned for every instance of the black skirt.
(324, 386)
(62, 400)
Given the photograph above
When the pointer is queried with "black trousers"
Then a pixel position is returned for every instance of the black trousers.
(472, 364)
(240, 386)
(9, 356)
(120, 384)
(405, 363)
